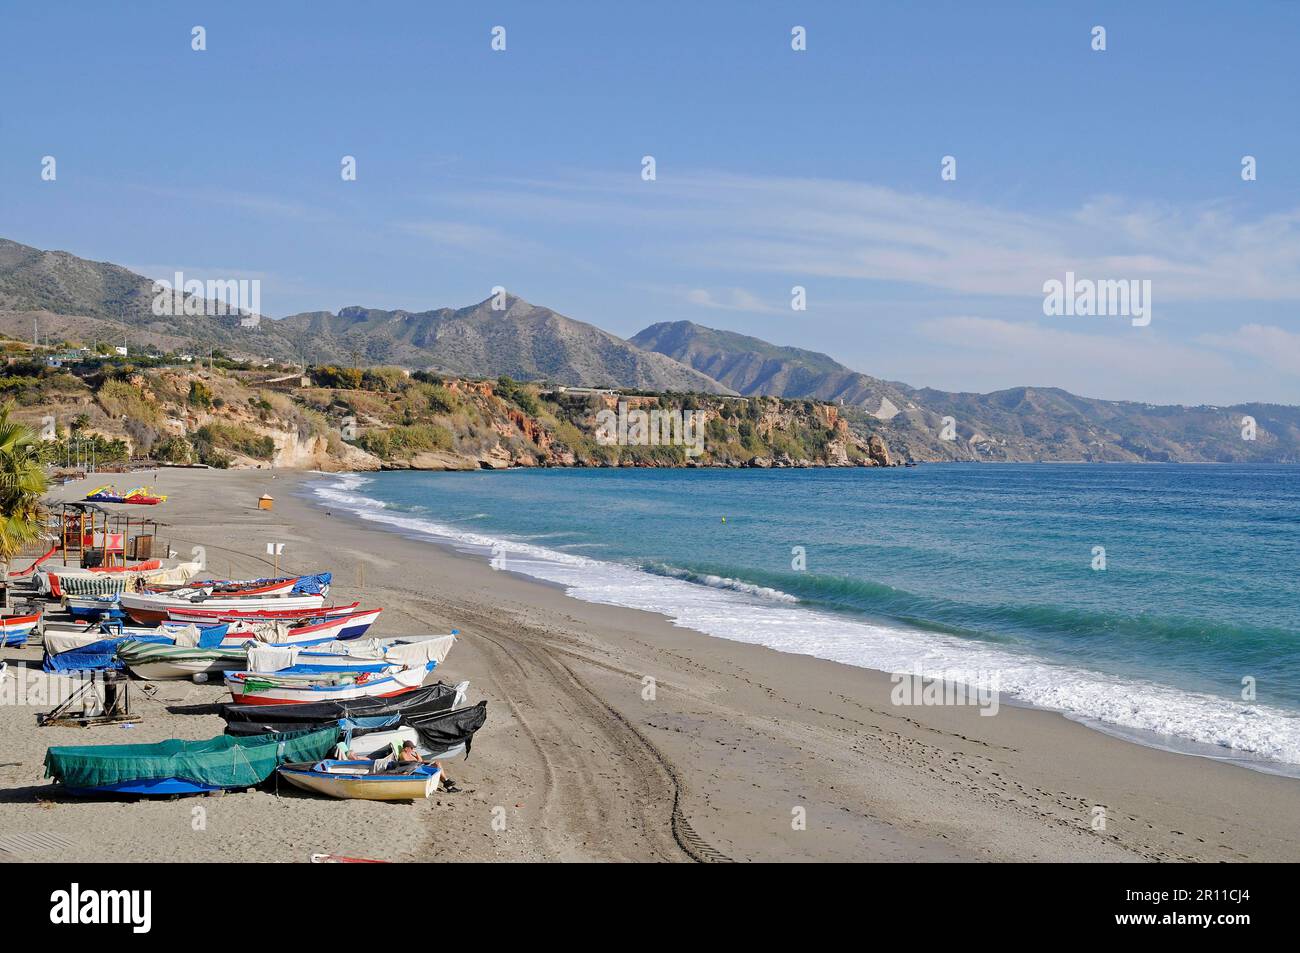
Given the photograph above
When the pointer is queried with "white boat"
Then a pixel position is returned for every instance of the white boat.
(160, 662)
(153, 607)
(398, 669)
(365, 780)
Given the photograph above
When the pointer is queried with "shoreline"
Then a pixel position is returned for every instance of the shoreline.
(431, 535)
(737, 745)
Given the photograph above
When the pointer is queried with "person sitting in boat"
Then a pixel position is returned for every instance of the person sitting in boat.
(408, 754)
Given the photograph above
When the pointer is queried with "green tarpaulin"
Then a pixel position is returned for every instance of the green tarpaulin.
(225, 761)
(139, 653)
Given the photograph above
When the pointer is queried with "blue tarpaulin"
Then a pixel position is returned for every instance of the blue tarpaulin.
(97, 656)
(311, 585)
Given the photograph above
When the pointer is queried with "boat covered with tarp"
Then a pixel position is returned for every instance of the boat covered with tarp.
(153, 661)
(435, 735)
(261, 719)
(89, 652)
(183, 767)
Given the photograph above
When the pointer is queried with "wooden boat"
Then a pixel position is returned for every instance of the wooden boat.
(436, 736)
(263, 719)
(153, 607)
(202, 615)
(284, 688)
(365, 780)
(232, 588)
(154, 662)
(182, 767)
(15, 629)
(304, 632)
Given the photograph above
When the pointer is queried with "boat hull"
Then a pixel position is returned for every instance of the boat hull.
(337, 629)
(152, 608)
(386, 686)
(208, 616)
(173, 669)
(367, 787)
(15, 629)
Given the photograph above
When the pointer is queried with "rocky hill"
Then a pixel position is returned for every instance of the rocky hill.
(75, 299)
(520, 340)
(1018, 424)
(335, 418)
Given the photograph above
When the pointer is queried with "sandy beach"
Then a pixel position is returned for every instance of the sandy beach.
(737, 745)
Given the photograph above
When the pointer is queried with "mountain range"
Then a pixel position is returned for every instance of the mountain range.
(71, 297)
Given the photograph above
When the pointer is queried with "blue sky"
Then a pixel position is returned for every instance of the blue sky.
(775, 168)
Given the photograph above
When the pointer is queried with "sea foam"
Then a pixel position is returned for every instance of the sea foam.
(735, 610)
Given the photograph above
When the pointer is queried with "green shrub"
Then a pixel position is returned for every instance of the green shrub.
(237, 438)
(405, 440)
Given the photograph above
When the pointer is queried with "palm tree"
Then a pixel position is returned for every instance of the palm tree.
(22, 484)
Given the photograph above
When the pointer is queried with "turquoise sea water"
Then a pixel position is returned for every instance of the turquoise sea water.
(985, 570)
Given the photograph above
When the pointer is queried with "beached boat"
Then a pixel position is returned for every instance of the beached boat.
(89, 651)
(90, 606)
(314, 683)
(304, 632)
(262, 719)
(365, 780)
(142, 497)
(15, 629)
(183, 767)
(221, 614)
(153, 607)
(158, 662)
(436, 735)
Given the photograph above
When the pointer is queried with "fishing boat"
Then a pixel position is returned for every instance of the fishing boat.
(90, 606)
(153, 607)
(313, 683)
(304, 632)
(365, 780)
(141, 496)
(263, 719)
(15, 629)
(158, 662)
(436, 735)
(183, 767)
(88, 651)
(197, 615)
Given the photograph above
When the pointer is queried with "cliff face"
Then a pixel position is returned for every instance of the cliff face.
(386, 418)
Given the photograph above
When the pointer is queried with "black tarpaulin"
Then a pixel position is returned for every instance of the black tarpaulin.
(258, 719)
(438, 732)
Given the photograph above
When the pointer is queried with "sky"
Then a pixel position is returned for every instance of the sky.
(774, 168)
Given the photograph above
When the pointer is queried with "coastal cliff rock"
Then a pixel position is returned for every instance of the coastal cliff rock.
(333, 419)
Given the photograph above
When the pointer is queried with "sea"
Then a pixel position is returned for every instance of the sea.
(1156, 602)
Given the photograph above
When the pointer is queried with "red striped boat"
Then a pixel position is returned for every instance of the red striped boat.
(338, 628)
(14, 629)
(209, 616)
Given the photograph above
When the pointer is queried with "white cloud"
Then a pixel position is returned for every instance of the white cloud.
(731, 299)
(1267, 343)
(854, 230)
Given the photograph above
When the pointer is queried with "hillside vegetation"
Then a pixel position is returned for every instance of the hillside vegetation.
(337, 418)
